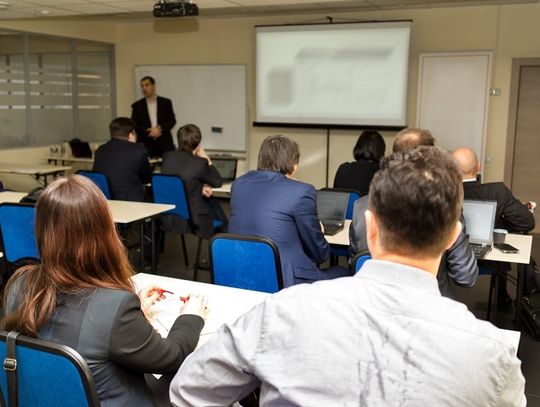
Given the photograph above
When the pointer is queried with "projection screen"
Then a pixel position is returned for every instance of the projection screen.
(347, 74)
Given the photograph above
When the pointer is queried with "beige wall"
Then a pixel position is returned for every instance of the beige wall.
(511, 31)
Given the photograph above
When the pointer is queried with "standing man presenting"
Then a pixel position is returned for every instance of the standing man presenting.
(154, 118)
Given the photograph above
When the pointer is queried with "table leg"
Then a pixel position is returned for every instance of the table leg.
(142, 246)
(519, 293)
(153, 246)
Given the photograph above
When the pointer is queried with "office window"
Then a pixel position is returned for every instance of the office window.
(53, 89)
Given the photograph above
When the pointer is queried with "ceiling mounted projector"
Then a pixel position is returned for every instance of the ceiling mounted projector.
(175, 8)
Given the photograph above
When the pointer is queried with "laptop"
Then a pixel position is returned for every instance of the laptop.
(480, 220)
(226, 168)
(331, 209)
(80, 149)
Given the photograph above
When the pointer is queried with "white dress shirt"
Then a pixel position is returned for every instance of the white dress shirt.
(385, 337)
(151, 104)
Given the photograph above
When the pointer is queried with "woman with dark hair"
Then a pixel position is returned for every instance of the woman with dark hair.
(81, 295)
(357, 175)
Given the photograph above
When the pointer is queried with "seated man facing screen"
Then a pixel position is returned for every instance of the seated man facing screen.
(511, 214)
(124, 162)
(384, 337)
(191, 163)
(458, 264)
(270, 203)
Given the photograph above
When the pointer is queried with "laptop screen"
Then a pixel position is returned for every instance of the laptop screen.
(226, 167)
(480, 220)
(332, 205)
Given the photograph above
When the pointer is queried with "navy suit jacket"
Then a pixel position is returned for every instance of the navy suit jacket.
(268, 204)
(166, 119)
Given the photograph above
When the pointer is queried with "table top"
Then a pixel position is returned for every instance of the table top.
(10, 196)
(223, 191)
(127, 211)
(521, 242)
(152, 160)
(225, 304)
(342, 237)
(40, 169)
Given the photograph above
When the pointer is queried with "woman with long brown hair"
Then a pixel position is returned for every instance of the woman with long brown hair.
(81, 295)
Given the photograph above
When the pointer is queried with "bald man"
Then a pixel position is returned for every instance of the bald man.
(511, 215)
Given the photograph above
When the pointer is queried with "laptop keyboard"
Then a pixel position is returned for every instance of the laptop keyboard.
(332, 228)
(480, 251)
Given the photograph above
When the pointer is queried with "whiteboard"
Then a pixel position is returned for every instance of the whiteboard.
(211, 96)
(453, 96)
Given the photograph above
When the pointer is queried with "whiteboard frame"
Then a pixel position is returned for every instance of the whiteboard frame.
(235, 152)
(487, 53)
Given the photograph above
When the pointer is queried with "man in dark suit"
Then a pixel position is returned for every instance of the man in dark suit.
(124, 162)
(154, 119)
(511, 214)
(191, 163)
(269, 202)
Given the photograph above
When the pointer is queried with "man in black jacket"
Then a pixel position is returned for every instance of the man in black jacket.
(511, 214)
(154, 119)
(124, 162)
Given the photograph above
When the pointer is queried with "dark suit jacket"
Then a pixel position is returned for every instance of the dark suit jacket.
(268, 204)
(356, 175)
(166, 119)
(126, 166)
(195, 172)
(458, 263)
(109, 330)
(511, 214)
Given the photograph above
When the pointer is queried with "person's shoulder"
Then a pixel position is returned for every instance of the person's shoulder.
(162, 99)
(138, 103)
(114, 297)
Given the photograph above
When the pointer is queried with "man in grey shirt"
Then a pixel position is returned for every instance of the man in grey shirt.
(383, 337)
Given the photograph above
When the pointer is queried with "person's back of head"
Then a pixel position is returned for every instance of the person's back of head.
(278, 154)
(410, 138)
(189, 137)
(370, 146)
(467, 162)
(79, 248)
(416, 198)
(123, 128)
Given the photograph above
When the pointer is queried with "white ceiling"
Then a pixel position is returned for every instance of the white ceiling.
(10, 9)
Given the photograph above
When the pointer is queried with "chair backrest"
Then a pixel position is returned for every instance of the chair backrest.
(359, 259)
(17, 233)
(247, 262)
(100, 180)
(353, 196)
(49, 374)
(171, 189)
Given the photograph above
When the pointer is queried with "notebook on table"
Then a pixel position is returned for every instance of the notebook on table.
(226, 168)
(480, 220)
(331, 209)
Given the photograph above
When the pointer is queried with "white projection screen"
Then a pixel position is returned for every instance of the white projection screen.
(346, 74)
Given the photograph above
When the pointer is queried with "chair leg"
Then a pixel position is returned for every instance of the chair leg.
(186, 260)
(490, 298)
(197, 260)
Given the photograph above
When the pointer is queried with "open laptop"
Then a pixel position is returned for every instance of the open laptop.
(80, 149)
(332, 208)
(226, 168)
(480, 220)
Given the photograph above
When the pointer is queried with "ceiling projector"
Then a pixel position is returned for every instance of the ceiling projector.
(175, 8)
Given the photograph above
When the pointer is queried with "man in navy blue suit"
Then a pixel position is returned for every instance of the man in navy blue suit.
(270, 203)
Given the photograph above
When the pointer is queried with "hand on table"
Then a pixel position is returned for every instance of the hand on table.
(196, 304)
(148, 297)
(207, 191)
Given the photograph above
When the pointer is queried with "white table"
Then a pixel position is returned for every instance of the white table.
(223, 191)
(342, 237)
(12, 197)
(36, 171)
(225, 304)
(154, 161)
